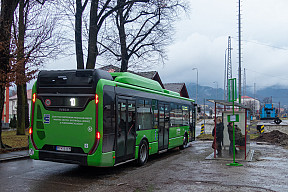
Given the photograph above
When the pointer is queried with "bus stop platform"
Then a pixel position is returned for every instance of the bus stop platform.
(239, 156)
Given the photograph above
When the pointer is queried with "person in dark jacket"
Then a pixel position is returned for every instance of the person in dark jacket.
(219, 136)
(230, 132)
(239, 138)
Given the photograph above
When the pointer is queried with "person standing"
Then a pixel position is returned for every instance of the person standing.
(219, 136)
(230, 132)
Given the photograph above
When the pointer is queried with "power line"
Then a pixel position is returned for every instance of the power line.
(269, 75)
(267, 45)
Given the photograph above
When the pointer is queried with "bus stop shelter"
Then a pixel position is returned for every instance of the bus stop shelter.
(243, 112)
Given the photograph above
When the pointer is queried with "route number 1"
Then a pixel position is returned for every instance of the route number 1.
(73, 102)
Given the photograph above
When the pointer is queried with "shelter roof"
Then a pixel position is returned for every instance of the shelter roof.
(227, 103)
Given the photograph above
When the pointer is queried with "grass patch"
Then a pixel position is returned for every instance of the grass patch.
(205, 137)
(15, 141)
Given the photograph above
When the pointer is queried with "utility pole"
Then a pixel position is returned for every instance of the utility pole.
(279, 110)
(254, 108)
(239, 41)
(244, 84)
(225, 76)
(204, 112)
(229, 64)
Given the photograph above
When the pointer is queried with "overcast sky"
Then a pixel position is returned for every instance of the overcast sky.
(201, 41)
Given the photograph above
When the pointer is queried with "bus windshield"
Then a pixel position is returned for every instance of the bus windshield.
(70, 81)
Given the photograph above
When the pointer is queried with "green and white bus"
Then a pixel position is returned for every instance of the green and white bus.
(96, 118)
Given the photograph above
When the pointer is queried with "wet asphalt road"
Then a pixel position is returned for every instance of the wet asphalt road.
(176, 170)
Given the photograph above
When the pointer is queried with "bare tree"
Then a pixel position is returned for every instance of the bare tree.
(144, 30)
(78, 33)
(35, 41)
(99, 11)
(6, 17)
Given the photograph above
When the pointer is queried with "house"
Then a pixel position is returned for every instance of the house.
(152, 75)
(252, 103)
(13, 104)
(177, 87)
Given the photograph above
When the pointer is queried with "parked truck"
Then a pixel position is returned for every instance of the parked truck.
(268, 112)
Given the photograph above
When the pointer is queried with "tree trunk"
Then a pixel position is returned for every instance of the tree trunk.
(20, 74)
(27, 120)
(93, 33)
(7, 12)
(21, 112)
(78, 35)
(122, 37)
(2, 99)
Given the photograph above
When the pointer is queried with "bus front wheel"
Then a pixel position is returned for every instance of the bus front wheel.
(143, 153)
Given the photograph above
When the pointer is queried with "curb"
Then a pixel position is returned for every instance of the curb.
(14, 158)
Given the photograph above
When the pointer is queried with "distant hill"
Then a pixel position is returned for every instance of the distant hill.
(278, 94)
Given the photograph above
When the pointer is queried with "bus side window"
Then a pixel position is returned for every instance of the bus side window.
(144, 114)
(173, 113)
(155, 113)
(179, 115)
(108, 121)
(185, 118)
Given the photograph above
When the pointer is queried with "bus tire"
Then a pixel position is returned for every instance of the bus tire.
(185, 142)
(143, 153)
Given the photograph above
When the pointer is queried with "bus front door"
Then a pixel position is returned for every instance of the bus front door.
(163, 133)
(126, 133)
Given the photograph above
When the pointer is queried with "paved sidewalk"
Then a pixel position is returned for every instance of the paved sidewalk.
(13, 155)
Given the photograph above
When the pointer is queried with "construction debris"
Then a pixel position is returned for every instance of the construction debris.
(274, 137)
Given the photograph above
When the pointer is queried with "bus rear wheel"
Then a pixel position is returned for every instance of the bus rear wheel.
(143, 153)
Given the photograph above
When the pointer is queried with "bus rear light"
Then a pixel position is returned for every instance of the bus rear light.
(96, 99)
(30, 130)
(34, 98)
(32, 120)
(98, 136)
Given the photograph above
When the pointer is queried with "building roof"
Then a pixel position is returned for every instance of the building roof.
(29, 95)
(246, 97)
(110, 68)
(148, 74)
(152, 75)
(177, 87)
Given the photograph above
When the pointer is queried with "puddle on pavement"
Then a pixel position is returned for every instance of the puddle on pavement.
(271, 158)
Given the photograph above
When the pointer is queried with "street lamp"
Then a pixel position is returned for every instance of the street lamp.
(196, 84)
(216, 89)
